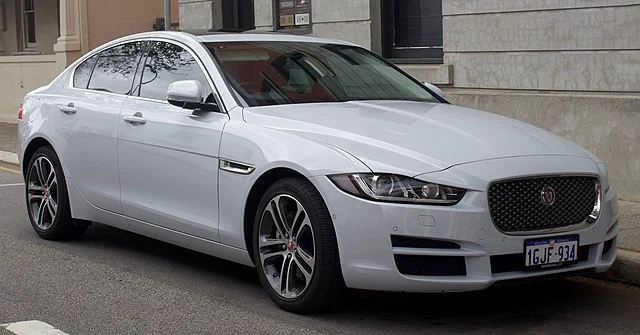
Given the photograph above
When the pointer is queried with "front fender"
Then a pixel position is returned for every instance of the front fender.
(267, 149)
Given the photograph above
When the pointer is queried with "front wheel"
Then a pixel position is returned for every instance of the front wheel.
(295, 248)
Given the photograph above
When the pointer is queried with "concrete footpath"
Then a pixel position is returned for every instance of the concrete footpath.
(8, 137)
(626, 269)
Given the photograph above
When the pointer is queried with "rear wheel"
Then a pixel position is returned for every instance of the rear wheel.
(295, 248)
(47, 198)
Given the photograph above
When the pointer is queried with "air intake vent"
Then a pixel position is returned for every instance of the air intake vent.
(416, 242)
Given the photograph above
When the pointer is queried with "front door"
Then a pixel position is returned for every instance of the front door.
(168, 157)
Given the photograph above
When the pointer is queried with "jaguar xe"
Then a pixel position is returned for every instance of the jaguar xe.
(313, 160)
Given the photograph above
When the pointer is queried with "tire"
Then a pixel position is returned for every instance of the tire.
(47, 198)
(323, 284)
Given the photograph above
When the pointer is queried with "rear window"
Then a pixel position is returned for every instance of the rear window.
(83, 72)
(115, 68)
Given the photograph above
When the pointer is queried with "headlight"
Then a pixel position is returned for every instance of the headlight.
(394, 188)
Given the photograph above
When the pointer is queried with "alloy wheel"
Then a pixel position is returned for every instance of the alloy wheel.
(286, 246)
(42, 197)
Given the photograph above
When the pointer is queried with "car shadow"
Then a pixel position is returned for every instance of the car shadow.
(526, 306)
(100, 237)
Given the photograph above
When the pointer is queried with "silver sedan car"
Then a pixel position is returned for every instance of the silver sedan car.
(314, 160)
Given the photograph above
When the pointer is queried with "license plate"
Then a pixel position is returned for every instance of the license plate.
(551, 252)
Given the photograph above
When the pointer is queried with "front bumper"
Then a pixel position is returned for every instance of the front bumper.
(370, 261)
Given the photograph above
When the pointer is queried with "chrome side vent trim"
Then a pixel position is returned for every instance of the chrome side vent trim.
(236, 167)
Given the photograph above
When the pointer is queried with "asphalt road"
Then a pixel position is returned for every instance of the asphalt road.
(114, 282)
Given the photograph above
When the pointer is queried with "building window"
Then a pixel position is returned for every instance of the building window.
(3, 16)
(238, 15)
(413, 30)
(29, 24)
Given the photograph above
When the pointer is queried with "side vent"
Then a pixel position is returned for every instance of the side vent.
(236, 167)
(416, 242)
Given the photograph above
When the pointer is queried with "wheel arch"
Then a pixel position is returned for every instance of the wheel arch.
(258, 189)
(32, 147)
(275, 154)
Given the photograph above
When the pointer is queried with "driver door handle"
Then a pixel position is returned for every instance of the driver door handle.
(68, 109)
(135, 119)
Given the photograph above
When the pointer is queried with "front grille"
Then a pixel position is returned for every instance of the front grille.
(518, 205)
(431, 265)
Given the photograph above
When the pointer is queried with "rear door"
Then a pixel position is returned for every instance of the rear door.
(168, 157)
(88, 115)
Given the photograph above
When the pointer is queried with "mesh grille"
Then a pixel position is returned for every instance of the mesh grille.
(517, 205)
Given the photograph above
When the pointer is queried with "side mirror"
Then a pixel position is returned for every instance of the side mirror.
(435, 89)
(187, 94)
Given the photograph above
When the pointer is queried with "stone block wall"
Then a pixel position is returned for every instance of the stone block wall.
(348, 20)
(569, 66)
(578, 45)
(200, 15)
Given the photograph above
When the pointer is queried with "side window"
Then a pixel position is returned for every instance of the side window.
(165, 64)
(83, 72)
(115, 68)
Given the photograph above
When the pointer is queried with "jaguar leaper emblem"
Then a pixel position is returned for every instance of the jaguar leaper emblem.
(548, 196)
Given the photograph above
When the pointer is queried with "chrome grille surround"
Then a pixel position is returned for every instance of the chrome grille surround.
(521, 206)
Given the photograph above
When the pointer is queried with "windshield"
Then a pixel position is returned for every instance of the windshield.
(274, 73)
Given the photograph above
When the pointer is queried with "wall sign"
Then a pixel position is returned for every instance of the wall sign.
(292, 16)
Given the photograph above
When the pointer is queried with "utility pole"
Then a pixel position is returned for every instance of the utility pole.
(167, 14)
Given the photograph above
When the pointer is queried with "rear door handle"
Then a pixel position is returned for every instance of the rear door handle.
(135, 120)
(68, 109)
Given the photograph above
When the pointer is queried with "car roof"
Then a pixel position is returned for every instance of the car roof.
(207, 36)
(196, 37)
(267, 36)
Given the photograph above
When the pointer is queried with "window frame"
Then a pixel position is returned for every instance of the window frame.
(426, 55)
(220, 102)
(99, 54)
(27, 45)
(143, 60)
(137, 80)
(86, 57)
(75, 69)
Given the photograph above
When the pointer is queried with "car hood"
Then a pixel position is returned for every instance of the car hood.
(412, 138)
